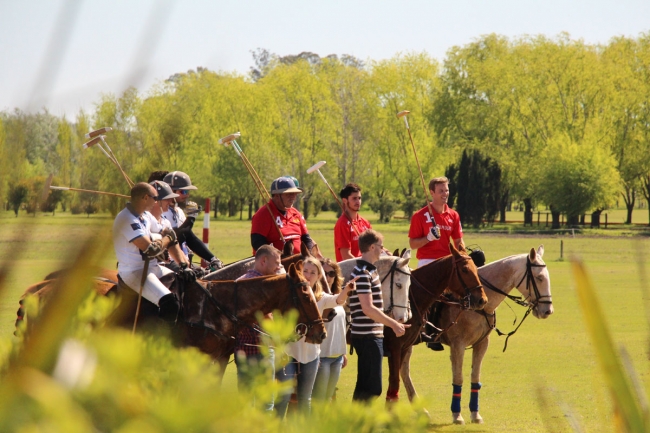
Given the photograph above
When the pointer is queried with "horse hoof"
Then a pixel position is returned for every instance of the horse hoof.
(457, 418)
(476, 418)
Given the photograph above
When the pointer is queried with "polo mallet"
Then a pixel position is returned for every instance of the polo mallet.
(145, 271)
(65, 188)
(232, 140)
(95, 138)
(316, 168)
(436, 230)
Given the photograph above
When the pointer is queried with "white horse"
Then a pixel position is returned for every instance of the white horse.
(525, 272)
(395, 276)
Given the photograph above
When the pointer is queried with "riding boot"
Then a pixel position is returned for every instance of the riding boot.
(169, 307)
(436, 346)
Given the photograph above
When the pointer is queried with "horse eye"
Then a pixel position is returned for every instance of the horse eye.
(539, 278)
(399, 285)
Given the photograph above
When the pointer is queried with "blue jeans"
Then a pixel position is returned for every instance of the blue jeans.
(251, 366)
(370, 351)
(305, 374)
(327, 377)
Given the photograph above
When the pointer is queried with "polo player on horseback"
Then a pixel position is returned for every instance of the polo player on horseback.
(181, 184)
(137, 250)
(278, 222)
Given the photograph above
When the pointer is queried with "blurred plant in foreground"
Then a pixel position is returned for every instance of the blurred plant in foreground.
(631, 412)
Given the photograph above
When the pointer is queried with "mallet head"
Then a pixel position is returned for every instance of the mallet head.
(403, 113)
(316, 166)
(98, 132)
(92, 142)
(227, 139)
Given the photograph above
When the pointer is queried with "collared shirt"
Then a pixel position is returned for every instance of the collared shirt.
(291, 223)
(345, 235)
(450, 228)
(127, 227)
(368, 283)
(248, 340)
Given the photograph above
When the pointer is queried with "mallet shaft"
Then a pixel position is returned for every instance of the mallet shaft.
(65, 188)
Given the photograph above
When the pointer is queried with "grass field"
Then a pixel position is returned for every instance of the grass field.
(552, 357)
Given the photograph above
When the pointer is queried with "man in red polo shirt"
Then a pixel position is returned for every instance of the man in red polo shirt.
(421, 236)
(264, 229)
(350, 224)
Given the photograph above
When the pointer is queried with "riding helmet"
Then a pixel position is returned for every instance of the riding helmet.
(179, 180)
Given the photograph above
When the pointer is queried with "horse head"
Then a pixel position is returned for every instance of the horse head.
(535, 285)
(464, 281)
(395, 277)
(310, 323)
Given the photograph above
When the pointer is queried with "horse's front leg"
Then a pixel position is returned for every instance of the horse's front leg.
(456, 356)
(478, 352)
(394, 363)
(405, 373)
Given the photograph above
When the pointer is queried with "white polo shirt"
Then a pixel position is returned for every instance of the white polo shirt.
(126, 228)
(175, 216)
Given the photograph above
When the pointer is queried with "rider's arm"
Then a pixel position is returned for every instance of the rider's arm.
(415, 243)
(459, 244)
(257, 240)
(345, 253)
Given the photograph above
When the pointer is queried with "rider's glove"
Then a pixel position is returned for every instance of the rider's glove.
(215, 264)
(434, 234)
(186, 274)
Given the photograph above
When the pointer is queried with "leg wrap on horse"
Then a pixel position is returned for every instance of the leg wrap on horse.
(455, 399)
(473, 397)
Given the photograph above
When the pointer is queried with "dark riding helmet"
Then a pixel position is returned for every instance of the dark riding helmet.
(283, 185)
(163, 189)
(295, 181)
(179, 180)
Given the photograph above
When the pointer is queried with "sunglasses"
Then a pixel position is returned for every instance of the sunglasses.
(153, 197)
(331, 274)
(182, 192)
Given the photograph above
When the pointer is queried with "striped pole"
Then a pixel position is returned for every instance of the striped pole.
(206, 229)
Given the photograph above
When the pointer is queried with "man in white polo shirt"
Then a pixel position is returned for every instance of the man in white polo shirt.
(134, 246)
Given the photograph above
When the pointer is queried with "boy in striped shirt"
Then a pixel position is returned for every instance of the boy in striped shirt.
(368, 318)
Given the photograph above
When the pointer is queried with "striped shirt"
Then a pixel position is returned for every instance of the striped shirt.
(368, 283)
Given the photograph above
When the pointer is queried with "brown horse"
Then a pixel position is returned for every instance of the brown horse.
(458, 274)
(525, 272)
(213, 312)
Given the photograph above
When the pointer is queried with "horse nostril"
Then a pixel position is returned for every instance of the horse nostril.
(322, 336)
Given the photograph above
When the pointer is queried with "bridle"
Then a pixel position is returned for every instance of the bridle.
(466, 301)
(310, 323)
(391, 273)
(524, 302)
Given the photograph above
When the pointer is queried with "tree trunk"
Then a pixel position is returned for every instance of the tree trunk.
(528, 212)
(503, 205)
(216, 206)
(241, 208)
(572, 220)
(595, 218)
(250, 209)
(305, 210)
(555, 217)
(629, 196)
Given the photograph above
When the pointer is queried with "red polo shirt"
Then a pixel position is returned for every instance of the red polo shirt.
(346, 237)
(292, 225)
(449, 223)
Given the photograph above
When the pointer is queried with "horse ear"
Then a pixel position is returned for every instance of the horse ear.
(403, 251)
(403, 262)
(406, 254)
(396, 252)
(533, 255)
(304, 251)
(454, 251)
(540, 251)
(292, 271)
(287, 250)
(299, 265)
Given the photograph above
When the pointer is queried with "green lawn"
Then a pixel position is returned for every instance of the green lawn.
(553, 357)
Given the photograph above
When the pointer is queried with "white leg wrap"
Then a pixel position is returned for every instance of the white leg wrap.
(153, 289)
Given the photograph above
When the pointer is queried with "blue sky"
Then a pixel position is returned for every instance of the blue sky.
(62, 54)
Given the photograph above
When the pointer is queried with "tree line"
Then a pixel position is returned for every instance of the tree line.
(532, 120)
